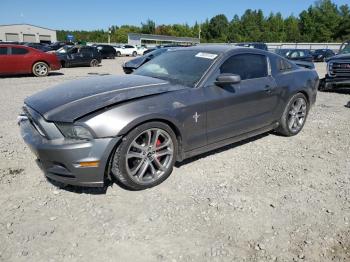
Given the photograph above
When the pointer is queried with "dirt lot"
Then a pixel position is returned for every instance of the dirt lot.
(267, 199)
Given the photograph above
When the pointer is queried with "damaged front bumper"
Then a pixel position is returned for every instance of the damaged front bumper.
(60, 159)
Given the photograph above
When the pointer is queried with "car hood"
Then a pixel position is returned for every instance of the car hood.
(340, 57)
(68, 101)
(136, 63)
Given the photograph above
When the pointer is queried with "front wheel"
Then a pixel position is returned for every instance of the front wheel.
(94, 63)
(294, 116)
(146, 156)
(118, 54)
(40, 69)
(134, 53)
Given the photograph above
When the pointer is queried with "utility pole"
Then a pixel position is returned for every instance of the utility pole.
(109, 35)
(199, 32)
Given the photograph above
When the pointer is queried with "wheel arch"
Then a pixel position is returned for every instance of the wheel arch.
(305, 94)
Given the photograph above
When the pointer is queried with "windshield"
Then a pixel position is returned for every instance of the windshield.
(64, 49)
(345, 48)
(181, 66)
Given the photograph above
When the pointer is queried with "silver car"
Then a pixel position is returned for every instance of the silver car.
(185, 102)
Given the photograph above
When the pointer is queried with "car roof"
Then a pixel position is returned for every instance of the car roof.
(17, 45)
(217, 49)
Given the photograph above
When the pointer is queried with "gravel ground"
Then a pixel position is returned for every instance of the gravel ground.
(270, 198)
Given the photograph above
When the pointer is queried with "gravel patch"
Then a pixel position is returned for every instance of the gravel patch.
(269, 198)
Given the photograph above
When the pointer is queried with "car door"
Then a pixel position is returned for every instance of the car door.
(5, 66)
(243, 107)
(20, 60)
(73, 57)
(129, 49)
(85, 55)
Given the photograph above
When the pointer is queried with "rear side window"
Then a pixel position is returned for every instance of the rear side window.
(3, 50)
(19, 51)
(284, 65)
(247, 66)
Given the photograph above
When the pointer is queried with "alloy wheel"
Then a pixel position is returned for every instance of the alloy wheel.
(297, 114)
(41, 69)
(149, 156)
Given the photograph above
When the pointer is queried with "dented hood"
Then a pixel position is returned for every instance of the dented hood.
(71, 100)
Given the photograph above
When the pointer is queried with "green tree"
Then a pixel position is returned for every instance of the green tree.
(235, 30)
(252, 24)
(343, 32)
(292, 29)
(218, 28)
(149, 27)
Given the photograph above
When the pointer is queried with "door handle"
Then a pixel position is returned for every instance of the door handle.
(268, 88)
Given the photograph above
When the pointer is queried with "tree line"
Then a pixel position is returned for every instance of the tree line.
(323, 21)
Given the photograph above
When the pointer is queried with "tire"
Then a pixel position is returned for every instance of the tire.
(118, 54)
(138, 164)
(112, 56)
(294, 116)
(94, 63)
(40, 69)
(134, 53)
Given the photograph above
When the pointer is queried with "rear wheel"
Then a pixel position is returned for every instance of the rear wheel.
(118, 53)
(146, 156)
(94, 63)
(294, 116)
(40, 69)
(134, 53)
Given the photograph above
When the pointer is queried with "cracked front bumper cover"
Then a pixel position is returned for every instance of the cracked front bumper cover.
(59, 159)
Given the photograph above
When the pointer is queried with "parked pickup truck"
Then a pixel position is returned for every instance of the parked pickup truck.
(338, 69)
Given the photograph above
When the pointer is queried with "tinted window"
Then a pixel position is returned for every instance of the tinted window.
(19, 51)
(247, 66)
(85, 50)
(284, 65)
(3, 50)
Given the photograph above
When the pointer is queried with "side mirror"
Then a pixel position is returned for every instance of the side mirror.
(227, 79)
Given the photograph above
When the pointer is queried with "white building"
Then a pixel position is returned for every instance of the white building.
(26, 33)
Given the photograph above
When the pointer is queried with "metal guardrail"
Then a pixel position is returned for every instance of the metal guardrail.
(311, 46)
(273, 46)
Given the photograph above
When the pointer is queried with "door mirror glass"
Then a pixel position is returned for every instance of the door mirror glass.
(227, 79)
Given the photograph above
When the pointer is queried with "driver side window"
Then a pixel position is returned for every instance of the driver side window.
(247, 66)
(74, 51)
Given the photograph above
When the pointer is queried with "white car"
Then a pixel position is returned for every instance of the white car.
(141, 49)
(126, 50)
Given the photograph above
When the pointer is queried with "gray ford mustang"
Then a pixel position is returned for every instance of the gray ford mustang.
(183, 103)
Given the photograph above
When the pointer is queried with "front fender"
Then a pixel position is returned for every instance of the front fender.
(120, 120)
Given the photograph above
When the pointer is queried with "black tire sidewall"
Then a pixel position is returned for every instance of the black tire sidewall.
(284, 129)
(119, 161)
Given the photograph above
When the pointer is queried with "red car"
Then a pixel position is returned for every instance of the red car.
(19, 59)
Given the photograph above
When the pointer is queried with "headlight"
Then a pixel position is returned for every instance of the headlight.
(74, 131)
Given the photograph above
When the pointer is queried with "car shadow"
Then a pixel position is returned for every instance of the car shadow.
(108, 183)
(79, 189)
(51, 74)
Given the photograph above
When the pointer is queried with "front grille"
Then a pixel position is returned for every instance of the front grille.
(339, 69)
